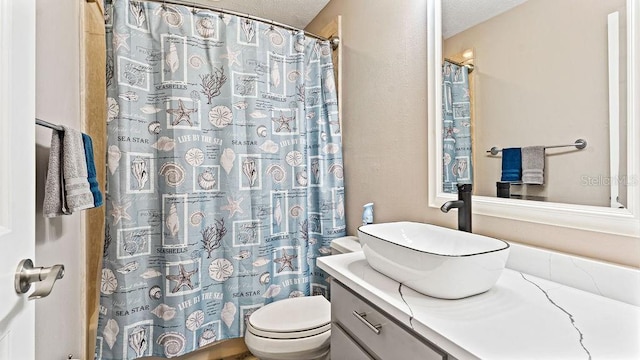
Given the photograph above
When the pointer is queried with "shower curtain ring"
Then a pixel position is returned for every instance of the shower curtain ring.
(194, 11)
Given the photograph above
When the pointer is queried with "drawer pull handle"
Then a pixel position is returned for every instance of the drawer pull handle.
(361, 316)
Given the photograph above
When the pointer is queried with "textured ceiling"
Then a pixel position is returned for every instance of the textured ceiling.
(297, 13)
(460, 15)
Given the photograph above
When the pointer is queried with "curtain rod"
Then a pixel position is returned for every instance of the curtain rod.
(468, 66)
(335, 41)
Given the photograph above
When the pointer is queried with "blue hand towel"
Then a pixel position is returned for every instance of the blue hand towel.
(91, 171)
(511, 164)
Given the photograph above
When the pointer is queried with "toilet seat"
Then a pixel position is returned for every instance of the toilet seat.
(309, 315)
(288, 335)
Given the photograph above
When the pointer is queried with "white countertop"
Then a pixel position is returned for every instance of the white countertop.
(521, 317)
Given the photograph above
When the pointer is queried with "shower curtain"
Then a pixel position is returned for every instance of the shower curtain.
(225, 178)
(456, 128)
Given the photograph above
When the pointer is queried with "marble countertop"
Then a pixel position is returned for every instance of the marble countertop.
(521, 317)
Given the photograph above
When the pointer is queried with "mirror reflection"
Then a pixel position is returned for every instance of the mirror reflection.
(543, 82)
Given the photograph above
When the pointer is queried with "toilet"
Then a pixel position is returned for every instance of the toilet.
(288, 330)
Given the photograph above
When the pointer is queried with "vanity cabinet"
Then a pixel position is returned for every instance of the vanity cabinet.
(344, 347)
(362, 331)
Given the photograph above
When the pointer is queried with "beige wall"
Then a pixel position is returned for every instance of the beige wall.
(385, 130)
(541, 79)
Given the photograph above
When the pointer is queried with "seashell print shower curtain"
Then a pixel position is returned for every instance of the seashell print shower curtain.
(457, 167)
(225, 178)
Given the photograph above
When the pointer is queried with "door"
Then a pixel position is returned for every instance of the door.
(17, 173)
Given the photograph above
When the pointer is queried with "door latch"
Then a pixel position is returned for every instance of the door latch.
(26, 274)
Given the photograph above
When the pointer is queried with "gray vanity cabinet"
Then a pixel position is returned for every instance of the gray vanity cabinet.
(344, 347)
(362, 331)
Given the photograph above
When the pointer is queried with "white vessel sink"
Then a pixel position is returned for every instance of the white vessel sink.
(433, 260)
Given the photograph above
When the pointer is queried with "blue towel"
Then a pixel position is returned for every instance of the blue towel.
(91, 170)
(511, 164)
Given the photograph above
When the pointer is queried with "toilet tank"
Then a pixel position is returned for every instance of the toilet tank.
(345, 244)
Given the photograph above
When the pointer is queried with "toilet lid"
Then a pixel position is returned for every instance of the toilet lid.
(292, 315)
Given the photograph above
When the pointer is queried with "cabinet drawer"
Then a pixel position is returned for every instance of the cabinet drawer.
(344, 347)
(375, 331)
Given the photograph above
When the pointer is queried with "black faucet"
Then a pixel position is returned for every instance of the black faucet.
(463, 204)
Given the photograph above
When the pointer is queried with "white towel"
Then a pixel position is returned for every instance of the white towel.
(76, 183)
(533, 165)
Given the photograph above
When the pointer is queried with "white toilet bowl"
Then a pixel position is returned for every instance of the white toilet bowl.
(297, 328)
(291, 329)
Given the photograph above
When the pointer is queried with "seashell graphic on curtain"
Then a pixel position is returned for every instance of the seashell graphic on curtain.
(173, 343)
(138, 341)
(249, 170)
(225, 177)
(110, 332)
(140, 172)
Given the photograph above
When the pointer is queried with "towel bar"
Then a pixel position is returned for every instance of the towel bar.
(579, 144)
(49, 125)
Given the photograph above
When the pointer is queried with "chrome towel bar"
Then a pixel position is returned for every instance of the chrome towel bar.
(579, 144)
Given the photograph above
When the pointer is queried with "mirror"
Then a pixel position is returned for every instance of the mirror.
(532, 76)
(513, 108)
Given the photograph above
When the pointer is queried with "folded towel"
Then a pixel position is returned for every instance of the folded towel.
(76, 183)
(69, 186)
(533, 165)
(54, 201)
(91, 171)
(511, 164)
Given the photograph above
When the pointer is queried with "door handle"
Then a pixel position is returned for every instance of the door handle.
(26, 274)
